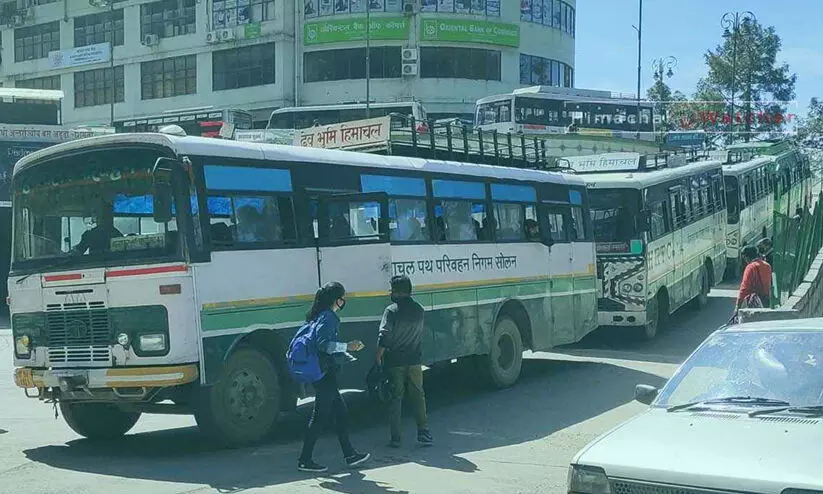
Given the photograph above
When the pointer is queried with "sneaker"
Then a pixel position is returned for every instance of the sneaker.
(310, 466)
(394, 443)
(424, 437)
(355, 459)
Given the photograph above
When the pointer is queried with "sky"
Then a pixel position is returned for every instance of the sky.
(606, 42)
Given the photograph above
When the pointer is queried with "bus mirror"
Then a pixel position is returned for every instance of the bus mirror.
(162, 194)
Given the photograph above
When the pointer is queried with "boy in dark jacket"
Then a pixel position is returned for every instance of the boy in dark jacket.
(399, 351)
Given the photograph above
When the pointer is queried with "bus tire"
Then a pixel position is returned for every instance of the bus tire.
(505, 359)
(98, 421)
(656, 317)
(702, 298)
(243, 406)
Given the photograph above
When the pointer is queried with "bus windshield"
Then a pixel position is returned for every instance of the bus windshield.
(92, 209)
(613, 213)
(302, 119)
(495, 112)
(537, 111)
(732, 199)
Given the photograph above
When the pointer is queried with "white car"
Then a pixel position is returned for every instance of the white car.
(743, 414)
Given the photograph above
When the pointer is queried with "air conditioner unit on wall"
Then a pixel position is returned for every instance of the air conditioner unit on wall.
(226, 34)
(409, 7)
(151, 40)
(212, 37)
(409, 69)
(409, 54)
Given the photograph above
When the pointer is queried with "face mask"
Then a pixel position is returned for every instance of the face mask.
(341, 304)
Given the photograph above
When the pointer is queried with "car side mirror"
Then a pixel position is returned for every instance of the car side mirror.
(645, 394)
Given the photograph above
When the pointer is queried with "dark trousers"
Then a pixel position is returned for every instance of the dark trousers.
(328, 405)
(406, 380)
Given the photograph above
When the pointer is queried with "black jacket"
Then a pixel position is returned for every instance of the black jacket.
(401, 333)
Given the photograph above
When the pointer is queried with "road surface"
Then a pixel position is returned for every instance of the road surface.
(518, 440)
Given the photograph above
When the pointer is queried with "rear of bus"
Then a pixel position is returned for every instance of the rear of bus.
(616, 214)
(734, 205)
(101, 295)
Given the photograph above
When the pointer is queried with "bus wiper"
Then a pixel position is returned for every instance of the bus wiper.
(55, 264)
(813, 410)
(740, 400)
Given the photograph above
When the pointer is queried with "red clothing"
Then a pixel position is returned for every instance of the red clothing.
(757, 278)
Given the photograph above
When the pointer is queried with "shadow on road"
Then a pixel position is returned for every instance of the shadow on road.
(464, 418)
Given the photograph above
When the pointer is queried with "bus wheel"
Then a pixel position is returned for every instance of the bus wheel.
(243, 406)
(505, 359)
(702, 298)
(98, 421)
(652, 327)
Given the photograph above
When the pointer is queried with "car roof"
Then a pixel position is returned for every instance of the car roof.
(777, 326)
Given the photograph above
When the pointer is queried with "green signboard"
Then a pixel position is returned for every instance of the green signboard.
(251, 30)
(338, 31)
(470, 31)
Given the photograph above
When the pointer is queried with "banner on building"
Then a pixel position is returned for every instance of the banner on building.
(84, 55)
(337, 31)
(350, 135)
(470, 31)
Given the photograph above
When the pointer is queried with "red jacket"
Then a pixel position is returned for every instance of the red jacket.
(757, 278)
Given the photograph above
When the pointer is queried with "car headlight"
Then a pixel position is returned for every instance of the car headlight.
(153, 342)
(588, 480)
(22, 346)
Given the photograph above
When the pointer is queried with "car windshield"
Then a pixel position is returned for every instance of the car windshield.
(613, 213)
(89, 210)
(782, 366)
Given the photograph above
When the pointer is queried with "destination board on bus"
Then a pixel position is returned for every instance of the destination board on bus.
(607, 162)
(350, 135)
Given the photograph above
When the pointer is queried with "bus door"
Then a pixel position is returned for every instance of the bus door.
(675, 282)
(353, 249)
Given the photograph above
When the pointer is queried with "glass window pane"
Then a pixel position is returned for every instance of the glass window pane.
(510, 221)
(408, 220)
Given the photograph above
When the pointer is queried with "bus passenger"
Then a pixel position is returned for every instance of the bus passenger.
(328, 403)
(532, 231)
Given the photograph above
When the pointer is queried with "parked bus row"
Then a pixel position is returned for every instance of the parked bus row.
(154, 273)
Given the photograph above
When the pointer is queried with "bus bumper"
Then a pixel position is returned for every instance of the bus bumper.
(123, 377)
(621, 318)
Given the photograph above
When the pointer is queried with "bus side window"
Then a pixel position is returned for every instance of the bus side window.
(578, 225)
(515, 212)
(556, 221)
(659, 219)
(460, 211)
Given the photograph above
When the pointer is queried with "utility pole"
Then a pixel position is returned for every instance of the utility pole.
(368, 58)
(731, 24)
(111, 63)
(639, 56)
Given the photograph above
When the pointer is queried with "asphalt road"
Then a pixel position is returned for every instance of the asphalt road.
(516, 440)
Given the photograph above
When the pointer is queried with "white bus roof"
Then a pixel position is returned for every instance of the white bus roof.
(744, 166)
(200, 146)
(567, 94)
(36, 94)
(343, 106)
(643, 179)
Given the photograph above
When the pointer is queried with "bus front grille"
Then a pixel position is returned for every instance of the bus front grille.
(78, 335)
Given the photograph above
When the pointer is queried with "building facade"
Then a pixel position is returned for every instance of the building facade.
(260, 55)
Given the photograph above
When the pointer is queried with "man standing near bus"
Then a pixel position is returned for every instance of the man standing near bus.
(399, 351)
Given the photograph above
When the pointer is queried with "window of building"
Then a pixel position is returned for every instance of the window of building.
(33, 42)
(168, 18)
(169, 77)
(337, 65)
(243, 67)
(97, 28)
(230, 13)
(459, 63)
(96, 87)
(551, 13)
(544, 71)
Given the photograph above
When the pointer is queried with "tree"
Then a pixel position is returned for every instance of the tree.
(760, 84)
(811, 127)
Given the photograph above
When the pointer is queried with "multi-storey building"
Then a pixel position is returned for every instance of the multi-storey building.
(260, 55)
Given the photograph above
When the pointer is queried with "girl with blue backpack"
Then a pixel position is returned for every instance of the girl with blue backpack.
(315, 356)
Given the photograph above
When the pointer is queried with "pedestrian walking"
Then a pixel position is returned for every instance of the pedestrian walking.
(755, 287)
(328, 403)
(399, 352)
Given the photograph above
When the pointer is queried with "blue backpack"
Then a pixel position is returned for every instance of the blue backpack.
(302, 357)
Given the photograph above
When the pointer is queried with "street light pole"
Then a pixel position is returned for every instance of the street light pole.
(368, 58)
(111, 63)
(663, 68)
(639, 56)
(732, 20)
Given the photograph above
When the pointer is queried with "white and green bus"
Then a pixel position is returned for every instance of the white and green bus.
(660, 238)
(205, 255)
(750, 204)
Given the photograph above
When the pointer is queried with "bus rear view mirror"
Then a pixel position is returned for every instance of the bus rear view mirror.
(161, 174)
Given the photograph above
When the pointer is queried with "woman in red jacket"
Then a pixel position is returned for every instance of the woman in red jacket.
(756, 286)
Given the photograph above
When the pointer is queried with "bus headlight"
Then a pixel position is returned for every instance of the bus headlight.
(626, 288)
(21, 346)
(638, 287)
(152, 342)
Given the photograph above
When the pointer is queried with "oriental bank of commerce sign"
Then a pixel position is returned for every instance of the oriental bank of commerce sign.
(471, 31)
